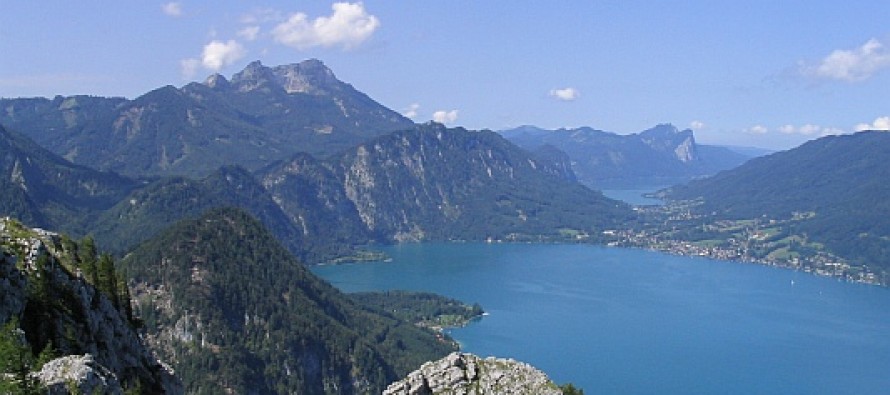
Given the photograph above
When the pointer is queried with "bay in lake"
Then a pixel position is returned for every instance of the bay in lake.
(624, 321)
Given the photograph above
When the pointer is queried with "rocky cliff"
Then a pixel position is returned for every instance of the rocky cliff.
(45, 294)
(467, 374)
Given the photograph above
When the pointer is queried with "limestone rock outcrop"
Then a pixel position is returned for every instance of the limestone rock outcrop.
(468, 374)
(81, 372)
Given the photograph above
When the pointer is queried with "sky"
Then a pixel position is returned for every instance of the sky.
(769, 74)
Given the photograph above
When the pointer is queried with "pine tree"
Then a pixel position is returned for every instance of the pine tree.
(107, 279)
(89, 259)
(126, 302)
(17, 361)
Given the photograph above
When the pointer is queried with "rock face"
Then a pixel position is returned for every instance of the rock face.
(58, 307)
(461, 373)
(78, 371)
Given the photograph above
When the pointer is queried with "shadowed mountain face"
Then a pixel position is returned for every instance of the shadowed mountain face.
(261, 115)
(44, 190)
(841, 180)
(658, 156)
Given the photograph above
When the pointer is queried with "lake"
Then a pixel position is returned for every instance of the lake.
(629, 321)
(634, 196)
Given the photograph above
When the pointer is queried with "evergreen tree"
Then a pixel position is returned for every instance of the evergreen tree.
(107, 278)
(89, 258)
(16, 361)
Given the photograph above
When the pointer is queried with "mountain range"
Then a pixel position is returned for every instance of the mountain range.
(426, 183)
(261, 115)
(663, 155)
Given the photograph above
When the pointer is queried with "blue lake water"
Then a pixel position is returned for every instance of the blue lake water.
(634, 196)
(624, 321)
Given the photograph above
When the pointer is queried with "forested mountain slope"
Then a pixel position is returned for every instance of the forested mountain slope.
(233, 311)
(839, 182)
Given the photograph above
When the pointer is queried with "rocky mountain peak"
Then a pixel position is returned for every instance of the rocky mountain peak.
(309, 76)
(668, 139)
(217, 81)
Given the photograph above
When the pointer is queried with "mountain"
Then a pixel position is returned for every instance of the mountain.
(658, 156)
(434, 183)
(70, 326)
(261, 115)
(837, 183)
(234, 312)
(154, 207)
(45, 190)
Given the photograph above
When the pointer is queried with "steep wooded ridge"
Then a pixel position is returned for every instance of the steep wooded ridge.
(662, 155)
(837, 185)
(435, 183)
(233, 311)
(262, 114)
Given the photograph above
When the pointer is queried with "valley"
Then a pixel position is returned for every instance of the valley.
(213, 204)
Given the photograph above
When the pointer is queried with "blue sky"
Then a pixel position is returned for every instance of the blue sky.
(769, 74)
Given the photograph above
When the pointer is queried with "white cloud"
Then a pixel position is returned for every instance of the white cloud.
(189, 67)
(851, 65)
(348, 26)
(881, 123)
(411, 111)
(565, 94)
(697, 125)
(249, 33)
(809, 129)
(757, 129)
(803, 130)
(443, 116)
(788, 129)
(172, 8)
(218, 54)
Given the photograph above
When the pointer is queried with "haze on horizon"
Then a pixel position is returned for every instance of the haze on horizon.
(763, 74)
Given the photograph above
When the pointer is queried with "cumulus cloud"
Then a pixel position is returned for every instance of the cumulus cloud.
(443, 116)
(809, 129)
(348, 26)
(172, 8)
(697, 125)
(249, 33)
(805, 130)
(850, 65)
(411, 111)
(881, 123)
(565, 94)
(787, 129)
(218, 54)
(757, 129)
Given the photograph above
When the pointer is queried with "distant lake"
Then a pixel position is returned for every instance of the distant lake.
(624, 321)
(634, 196)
